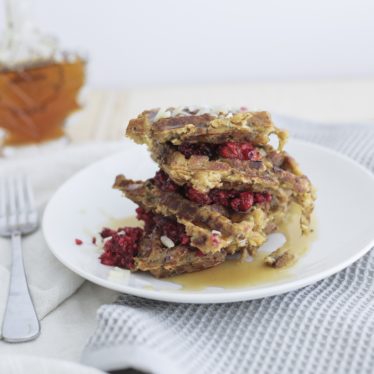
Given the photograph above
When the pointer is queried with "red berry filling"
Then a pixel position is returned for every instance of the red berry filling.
(197, 196)
(106, 232)
(238, 201)
(239, 151)
(147, 218)
(122, 247)
(233, 150)
(122, 244)
(243, 202)
(172, 229)
(262, 197)
(165, 225)
(198, 149)
(163, 182)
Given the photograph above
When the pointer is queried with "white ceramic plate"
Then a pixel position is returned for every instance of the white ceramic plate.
(83, 205)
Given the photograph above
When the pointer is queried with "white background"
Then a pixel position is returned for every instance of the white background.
(145, 42)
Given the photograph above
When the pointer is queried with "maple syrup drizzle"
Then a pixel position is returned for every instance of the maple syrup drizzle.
(234, 273)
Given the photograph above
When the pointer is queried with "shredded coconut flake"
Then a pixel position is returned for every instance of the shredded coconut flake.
(218, 110)
(167, 242)
(133, 186)
(192, 108)
(262, 152)
(180, 111)
(162, 114)
(118, 274)
(204, 110)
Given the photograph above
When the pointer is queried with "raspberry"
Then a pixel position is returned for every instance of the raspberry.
(262, 197)
(184, 239)
(143, 214)
(242, 203)
(78, 242)
(121, 249)
(239, 151)
(236, 200)
(233, 150)
(147, 217)
(235, 204)
(254, 155)
(164, 183)
(246, 149)
(122, 244)
(199, 149)
(197, 196)
(229, 150)
(222, 197)
(167, 226)
(106, 232)
(172, 229)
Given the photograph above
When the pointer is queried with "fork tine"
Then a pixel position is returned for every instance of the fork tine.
(11, 202)
(29, 195)
(11, 195)
(3, 204)
(20, 193)
(2, 198)
(20, 199)
(30, 201)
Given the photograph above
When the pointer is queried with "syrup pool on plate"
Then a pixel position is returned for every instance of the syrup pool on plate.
(115, 223)
(235, 273)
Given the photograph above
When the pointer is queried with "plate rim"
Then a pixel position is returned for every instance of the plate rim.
(194, 297)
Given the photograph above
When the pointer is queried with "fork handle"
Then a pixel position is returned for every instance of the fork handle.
(20, 320)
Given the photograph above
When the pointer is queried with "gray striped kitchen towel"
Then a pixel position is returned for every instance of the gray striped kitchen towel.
(327, 327)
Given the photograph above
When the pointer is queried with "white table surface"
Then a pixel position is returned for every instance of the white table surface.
(65, 330)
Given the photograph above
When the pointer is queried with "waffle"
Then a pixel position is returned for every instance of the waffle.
(209, 229)
(152, 257)
(221, 189)
(197, 125)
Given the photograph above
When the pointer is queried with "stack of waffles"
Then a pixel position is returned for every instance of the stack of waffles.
(222, 187)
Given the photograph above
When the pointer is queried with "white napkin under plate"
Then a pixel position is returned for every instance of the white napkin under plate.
(50, 282)
(19, 364)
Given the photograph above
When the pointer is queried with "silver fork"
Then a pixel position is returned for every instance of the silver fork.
(18, 216)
